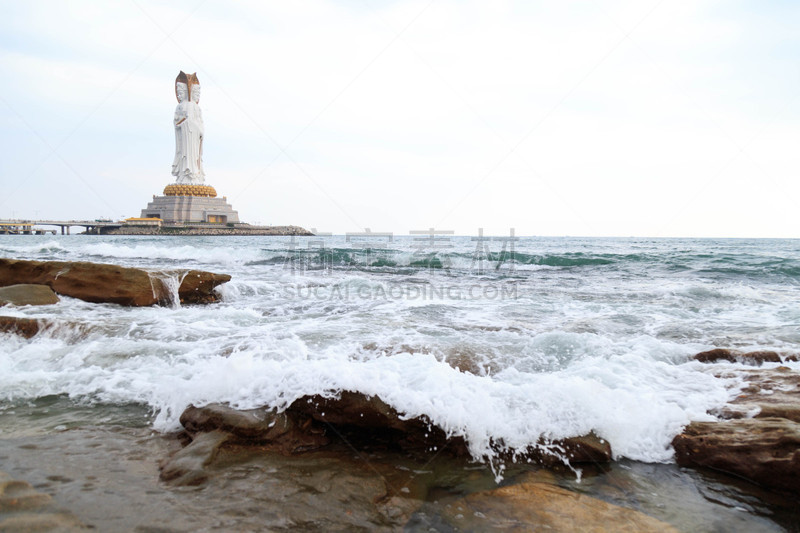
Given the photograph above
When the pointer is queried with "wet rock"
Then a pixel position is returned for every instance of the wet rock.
(759, 440)
(198, 286)
(356, 410)
(285, 433)
(23, 509)
(763, 450)
(24, 327)
(768, 394)
(545, 507)
(750, 358)
(586, 449)
(27, 294)
(103, 283)
(29, 522)
(367, 423)
(368, 418)
(187, 466)
(18, 495)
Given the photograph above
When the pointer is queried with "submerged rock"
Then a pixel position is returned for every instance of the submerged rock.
(104, 283)
(545, 507)
(24, 509)
(286, 433)
(24, 327)
(27, 294)
(187, 466)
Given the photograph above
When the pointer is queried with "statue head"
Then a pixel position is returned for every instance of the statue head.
(195, 92)
(190, 82)
(181, 91)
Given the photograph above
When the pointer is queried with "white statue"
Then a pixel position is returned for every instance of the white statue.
(187, 167)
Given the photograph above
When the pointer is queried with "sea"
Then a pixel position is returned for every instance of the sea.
(503, 340)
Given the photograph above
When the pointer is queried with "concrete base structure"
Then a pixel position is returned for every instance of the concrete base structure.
(189, 209)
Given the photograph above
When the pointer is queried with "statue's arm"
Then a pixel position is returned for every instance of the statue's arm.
(180, 115)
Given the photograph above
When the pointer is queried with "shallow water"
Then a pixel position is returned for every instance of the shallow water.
(555, 338)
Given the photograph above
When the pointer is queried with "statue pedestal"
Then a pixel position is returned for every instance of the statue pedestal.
(191, 209)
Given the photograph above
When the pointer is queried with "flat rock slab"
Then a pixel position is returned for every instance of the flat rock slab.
(104, 283)
(758, 436)
(545, 507)
(763, 450)
(27, 294)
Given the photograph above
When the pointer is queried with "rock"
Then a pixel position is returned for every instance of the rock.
(18, 495)
(363, 418)
(29, 522)
(103, 283)
(24, 327)
(187, 466)
(760, 438)
(545, 507)
(26, 294)
(364, 422)
(285, 433)
(768, 394)
(749, 358)
(198, 286)
(763, 450)
(586, 449)
(23, 509)
(352, 409)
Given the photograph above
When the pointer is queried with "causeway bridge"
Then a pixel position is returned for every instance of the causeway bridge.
(30, 227)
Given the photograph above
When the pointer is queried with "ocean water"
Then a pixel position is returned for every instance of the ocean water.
(501, 342)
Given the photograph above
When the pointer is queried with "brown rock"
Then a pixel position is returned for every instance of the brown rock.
(103, 283)
(28, 522)
(16, 495)
(540, 506)
(198, 286)
(286, 433)
(364, 417)
(24, 327)
(352, 409)
(27, 294)
(23, 509)
(587, 449)
(768, 394)
(760, 357)
(749, 358)
(763, 450)
(187, 466)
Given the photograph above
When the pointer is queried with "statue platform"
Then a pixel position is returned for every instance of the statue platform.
(189, 208)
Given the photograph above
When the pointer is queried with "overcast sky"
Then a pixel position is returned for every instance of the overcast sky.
(617, 118)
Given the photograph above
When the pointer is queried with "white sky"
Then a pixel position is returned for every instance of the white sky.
(619, 118)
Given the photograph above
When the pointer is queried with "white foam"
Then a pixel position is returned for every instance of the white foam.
(637, 404)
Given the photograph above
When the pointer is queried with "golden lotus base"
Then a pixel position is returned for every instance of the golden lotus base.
(190, 190)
